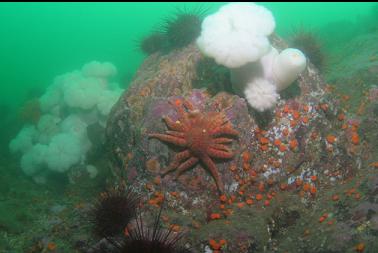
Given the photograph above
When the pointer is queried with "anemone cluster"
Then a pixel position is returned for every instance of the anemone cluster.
(59, 139)
(237, 37)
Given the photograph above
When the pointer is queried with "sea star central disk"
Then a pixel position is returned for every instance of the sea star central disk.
(203, 137)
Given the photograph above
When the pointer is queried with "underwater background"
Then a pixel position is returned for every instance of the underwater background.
(42, 41)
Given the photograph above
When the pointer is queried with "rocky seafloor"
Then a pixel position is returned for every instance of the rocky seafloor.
(303, 178)
(299, 180)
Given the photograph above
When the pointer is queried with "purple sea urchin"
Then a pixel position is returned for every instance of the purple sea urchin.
(113, 211)
(143, 239)
(184, 27)
(153, 43)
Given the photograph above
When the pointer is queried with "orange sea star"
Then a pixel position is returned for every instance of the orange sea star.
(202, 135)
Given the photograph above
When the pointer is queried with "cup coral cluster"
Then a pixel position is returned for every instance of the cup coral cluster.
(74, 101)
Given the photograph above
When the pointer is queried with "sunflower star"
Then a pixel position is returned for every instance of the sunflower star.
(202, 135)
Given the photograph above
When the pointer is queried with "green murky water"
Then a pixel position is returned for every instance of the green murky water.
(42, 40)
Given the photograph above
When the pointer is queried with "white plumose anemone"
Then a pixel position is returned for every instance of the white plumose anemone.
(73, 102)
(63, 152)
(99, 69)
(287, 66)
(237, 34)
(107, 100)
(240, 77)
(281, 69)
(33, 161)
(83, 93)
(47, 128)
(237, 37)
(24, 140)
(261, 94)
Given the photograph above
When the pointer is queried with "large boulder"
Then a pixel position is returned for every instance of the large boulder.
(285, 161)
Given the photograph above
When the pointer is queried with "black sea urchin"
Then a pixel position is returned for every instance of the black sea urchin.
(113, 211)
(184, 26)
(144, 239)
(153, 43)
(309, 44)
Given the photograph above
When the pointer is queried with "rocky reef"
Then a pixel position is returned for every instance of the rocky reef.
(300, 175)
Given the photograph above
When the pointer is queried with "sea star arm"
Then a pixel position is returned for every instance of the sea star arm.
(225, 130)
(170, 139)
(216, 153)
(222, 140)
(220, 147)
(186, 165)
(177, 160)
(176, 134)
(218, 121)
(174, 125)
(182, 109)
(214, 172)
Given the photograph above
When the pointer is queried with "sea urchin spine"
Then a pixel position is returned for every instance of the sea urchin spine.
(141, 238)
(113, 211)
(184, 27)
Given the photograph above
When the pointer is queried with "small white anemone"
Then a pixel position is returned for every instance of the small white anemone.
(261, 94)
(99, 69)
(33, 161)
(47, 128)
(63, 152)
(25, 139)
(107, 100)
(287, 66)
(83, 93)
(281, 69)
